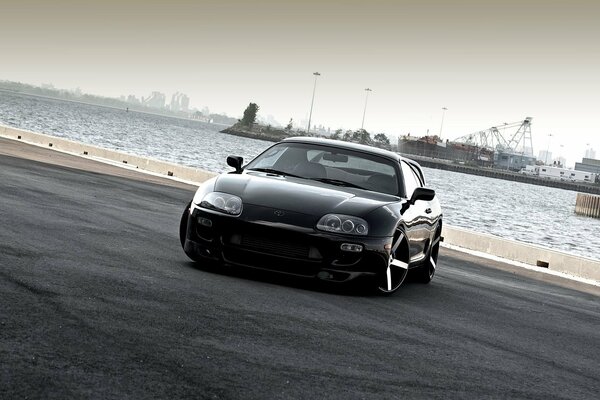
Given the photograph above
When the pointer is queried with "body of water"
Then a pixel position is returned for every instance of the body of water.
(513, 210)
(192, 143)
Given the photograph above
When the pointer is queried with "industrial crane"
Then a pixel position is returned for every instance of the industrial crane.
(492, 139)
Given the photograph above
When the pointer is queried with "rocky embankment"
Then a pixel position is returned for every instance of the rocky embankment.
(256, 131)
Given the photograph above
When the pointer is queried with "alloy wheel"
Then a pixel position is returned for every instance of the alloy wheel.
(397, 267)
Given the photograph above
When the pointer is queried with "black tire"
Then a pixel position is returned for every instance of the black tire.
(397, 269)
(425, 273)
(183, 224)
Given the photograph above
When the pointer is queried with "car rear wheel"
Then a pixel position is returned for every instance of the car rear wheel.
(397, 267)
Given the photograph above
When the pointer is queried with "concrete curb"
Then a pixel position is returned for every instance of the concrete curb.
(507, 249)
(178, 172)
(530, 254)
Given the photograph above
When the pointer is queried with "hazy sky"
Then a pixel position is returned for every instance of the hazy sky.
(488, 62)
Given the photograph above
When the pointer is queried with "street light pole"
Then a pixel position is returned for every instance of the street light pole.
(548, 148)
(316, 74)
(442, 125)
(561, 156)
(365, 111)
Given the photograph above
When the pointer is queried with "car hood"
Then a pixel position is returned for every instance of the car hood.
(301, 195)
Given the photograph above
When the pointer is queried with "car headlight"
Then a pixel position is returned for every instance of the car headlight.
(223, 202)
(345, 224)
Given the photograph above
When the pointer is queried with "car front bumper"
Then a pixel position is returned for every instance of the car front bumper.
(285, 248)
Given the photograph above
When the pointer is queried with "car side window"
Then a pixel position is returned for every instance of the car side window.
(411, 181)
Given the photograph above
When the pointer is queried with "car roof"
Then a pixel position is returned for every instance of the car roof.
(347, 145)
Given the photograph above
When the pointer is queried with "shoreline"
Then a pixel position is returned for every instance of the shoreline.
(111, 107)
(505, 175)
(61, 148)
(232, 130)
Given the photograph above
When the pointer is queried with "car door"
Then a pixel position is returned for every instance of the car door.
(417, 217)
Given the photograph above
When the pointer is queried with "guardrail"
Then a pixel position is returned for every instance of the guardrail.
(180, 172)
(530, 254)
(508, 249)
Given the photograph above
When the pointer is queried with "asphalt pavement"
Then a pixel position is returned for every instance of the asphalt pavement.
(99, 301)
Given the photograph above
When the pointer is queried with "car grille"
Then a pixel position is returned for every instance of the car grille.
(271, 245)
(240, 256)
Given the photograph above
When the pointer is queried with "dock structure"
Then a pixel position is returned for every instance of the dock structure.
(588, 205)
(582, 187)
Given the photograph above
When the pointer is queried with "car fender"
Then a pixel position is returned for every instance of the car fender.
(206, 187)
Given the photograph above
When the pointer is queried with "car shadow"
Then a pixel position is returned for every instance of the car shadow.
(357, 288)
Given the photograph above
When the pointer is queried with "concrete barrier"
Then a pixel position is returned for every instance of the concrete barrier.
(588, 205)
(530, 254)
(167, 169)
(508, 249)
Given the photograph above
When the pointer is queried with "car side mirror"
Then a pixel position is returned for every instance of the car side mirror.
(422, 193)
(235, 162)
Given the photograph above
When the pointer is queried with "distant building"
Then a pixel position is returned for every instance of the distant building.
(155, 100)
(545, 156)
(588, 165)
(184, 103)
(590, 153)
(174, 106)
(133, 100)
(562, 174)
(179, 102)
(512, 161)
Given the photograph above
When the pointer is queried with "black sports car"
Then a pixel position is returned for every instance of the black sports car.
(322, 209)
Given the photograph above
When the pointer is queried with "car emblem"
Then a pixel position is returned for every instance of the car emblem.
(279, 213)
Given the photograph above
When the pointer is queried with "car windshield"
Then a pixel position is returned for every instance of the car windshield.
(335, 166)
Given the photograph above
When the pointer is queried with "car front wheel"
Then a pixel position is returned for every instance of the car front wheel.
(183, 225)
(397, 267)
(425, 273)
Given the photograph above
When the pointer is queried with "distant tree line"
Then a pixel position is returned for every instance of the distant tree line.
(250, 114)
(363, 137)
(359, 136)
